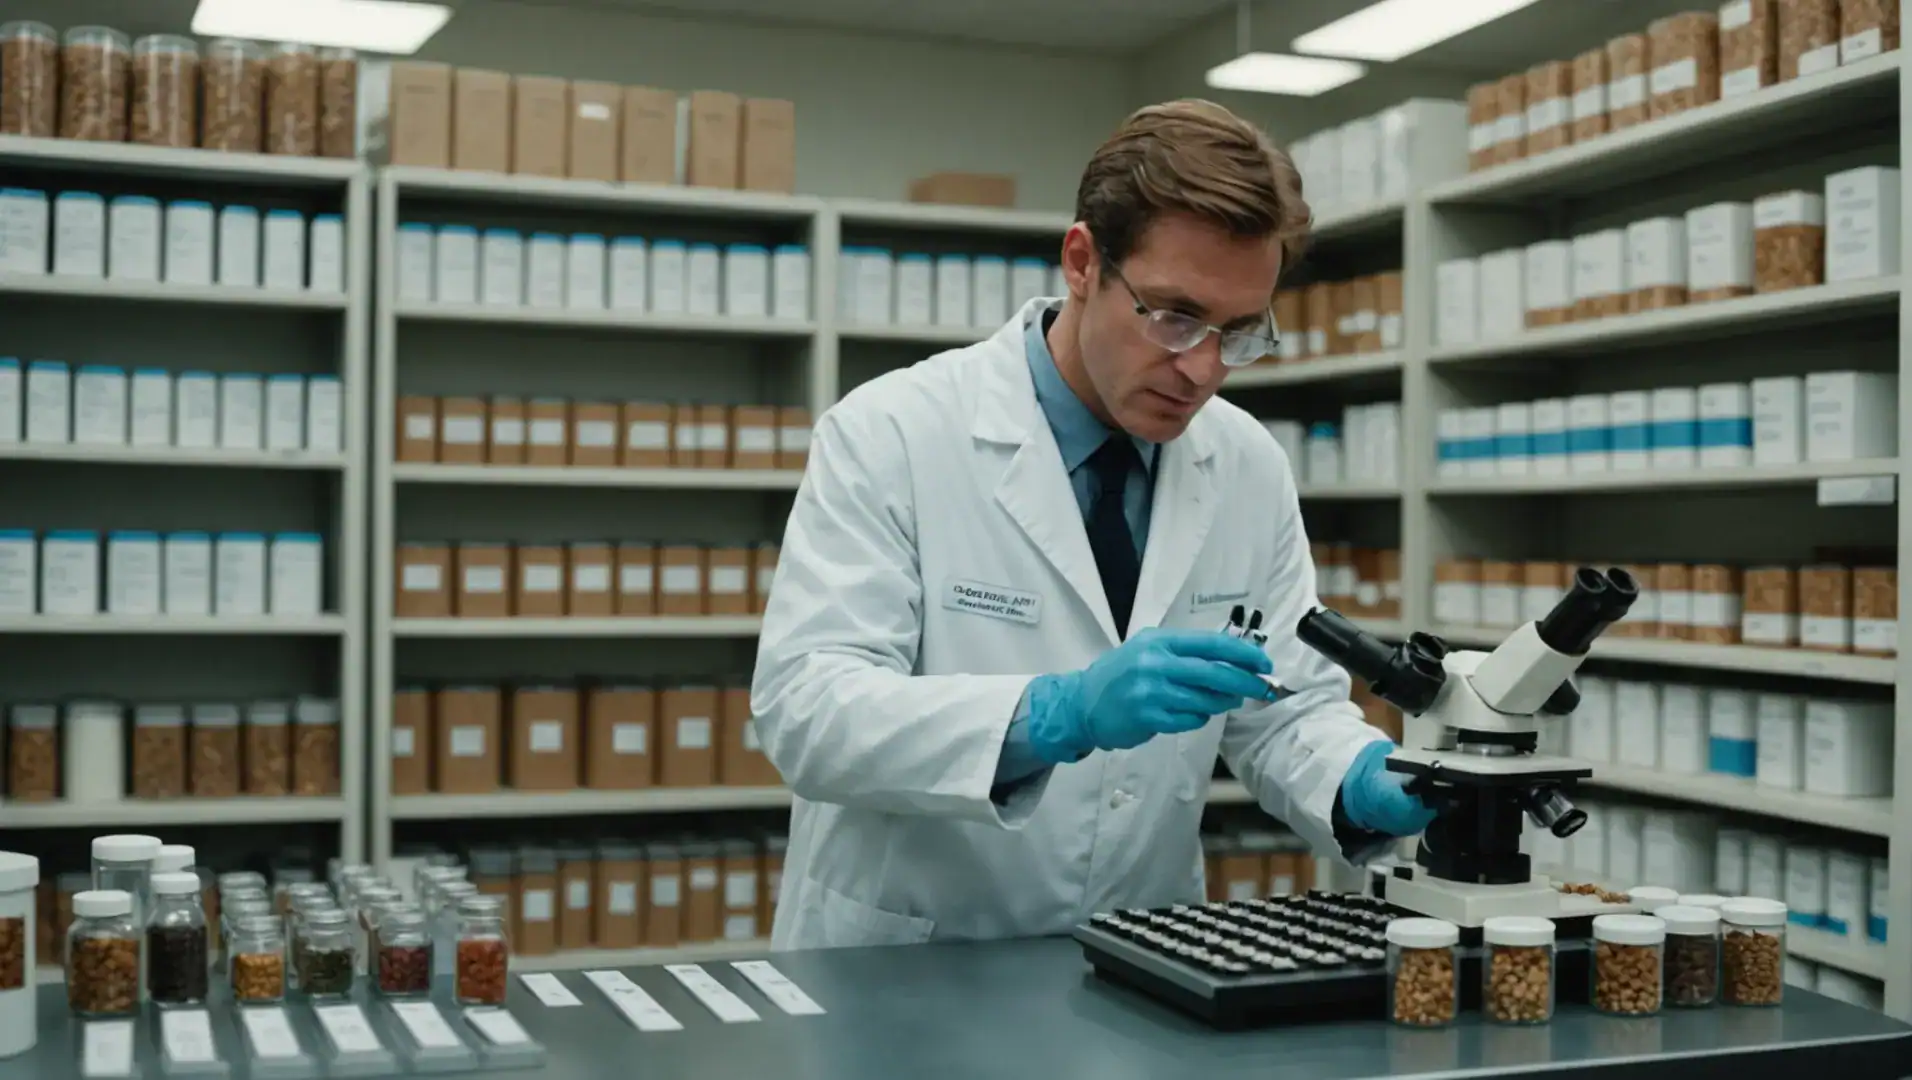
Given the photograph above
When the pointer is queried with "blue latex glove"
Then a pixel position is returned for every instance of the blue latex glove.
(1374, 799)
(1157, 682)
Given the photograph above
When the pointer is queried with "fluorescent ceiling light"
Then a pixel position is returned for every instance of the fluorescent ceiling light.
(1392, 29)
(1276, 73)
(398, 27)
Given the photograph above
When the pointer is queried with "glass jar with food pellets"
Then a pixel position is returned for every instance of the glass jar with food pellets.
(245, 904)
(1424, 987)
(102, 955)
(1517, 970)
(1752, 952)
(444, 925)
(299, 904)
(428, 881)
(385, 909)
(1692, 955)
(365, 904)
(29, 79)
(258, 959)
(403, 966)
(176, 956)
(94, 70)
(1626, 964)
(165, 95)
(322, 953)
(33, 753)
(21, 934)
(483, 961)
(237, 880)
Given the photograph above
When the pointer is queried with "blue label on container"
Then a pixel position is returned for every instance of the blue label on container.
(1674, 434)
(1832, 925)
(1550, 443)
(1586, 440)
(1729, 431)
(455, 230)
(1875, 927)
(1513, 445)
(1630, 437)
(586, 238)
(1734, 757)
(1450, 450)
(748, 249)
(1800, 918)
(795, 249)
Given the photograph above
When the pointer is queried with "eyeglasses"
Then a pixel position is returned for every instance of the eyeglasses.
(1178, 333)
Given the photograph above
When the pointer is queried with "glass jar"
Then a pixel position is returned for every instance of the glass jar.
(404, 965)
(176, 957)
(102, 955)
(233, 83)
(292, 99)
(1692, 955)
(338, 103)
(176, 858)
(429, 878)
(29, 76)
(322, 953)
(1752, 952)
(165, 91)
(258, 959)
(248, 906)
(363, 907)
(125, 863)
(1626, 964)
(26, 902)
(1424, 981)
(444, 924)
(1651, 898)
(1517, 973)
(385, 909)
(1705, 900)
(94, 63)
(238, 880)
(484, 952)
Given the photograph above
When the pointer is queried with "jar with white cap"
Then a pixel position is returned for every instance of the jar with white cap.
(1752, 952)
(175, 859)
(1424, 978)
(1626, 964)
(1692, 955)
(1705, 900)
(1651, 898)
(1517, 974)
(124, 863)
(19, 1023)
(103, 955)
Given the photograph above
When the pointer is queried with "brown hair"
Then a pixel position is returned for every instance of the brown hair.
(1194, 157)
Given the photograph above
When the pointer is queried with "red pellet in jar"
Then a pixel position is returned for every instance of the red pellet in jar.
(404, 969)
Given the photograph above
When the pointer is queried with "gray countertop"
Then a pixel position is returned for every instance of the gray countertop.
(1033, 1008)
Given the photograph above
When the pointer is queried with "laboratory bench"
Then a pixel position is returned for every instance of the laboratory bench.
(1033, 1008)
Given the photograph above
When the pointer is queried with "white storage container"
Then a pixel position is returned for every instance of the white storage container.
(1726, 425)
(1732, 726)
(150, 410)
(70, 573)
(1550, 437)
(953, 302)
(790, 282)
(324, 432)
(455, 265)
(1451, 449)
(1629, 435)
(1729, 862)
(196, 410)
(285, 412)
(1779, 420)
(79, 235)
(1805, 884)
(415, 256)
(242, 401)
(239, 247)
(1851, 415)
(297, 571)
(1849, 748)
(703, 279)
(1636, 723)
(1847, 898)
(1765, 867)
(284, 266)
(188, 559)
(1514, 438)
(1682, 729)
(915, 290)
(12, 400)
(501, 268)
(239, 574)
(24, 216)
(989, 291)
(1457, 302)
(545, 256)
(584, 274)
(1879, 882)
(747, 281)
(630, 274)
(133, 573)
(1677, 849)
(93, 753)
(1674, 412)
(669, 278)
(1478, 432)
(190, 224)
(1862, 223)
(1587, 433)
(326, 255)
(1719, 248)
(99, 405)
(1626, 827)
(49, 402)
(1590, 728)
(1502, 291)
(134, 238)
(19, 1018)
(19, 572)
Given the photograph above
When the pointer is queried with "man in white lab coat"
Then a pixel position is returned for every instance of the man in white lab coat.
(991, 669)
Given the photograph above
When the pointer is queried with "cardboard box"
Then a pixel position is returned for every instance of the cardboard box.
(594, 434)
(418, 130)
(481, 120)
(742, 763)
(1875, 611)
(965, 189)
(544, 747)
(647, 435)
(422, 585)
(483, 580)
(411, 741)
(703, 900)
(540, 125)
(663, 896)
(467, 753)
(548, 432)
(461, 430)
(620, 730)
(506, 445)
(636, 579)
(1769, 615)
(417, 428)
(1674, 590)
(687, 721)
(680, 581)
(1716, 604)
(769, 145)
(753, 443)
(686, 437)
(594, 130)
(793, 437)
(1825, 608)
(623, 879)
(588, 590)
(763, 572)
(713, 438)
(716, 136)
(742, 871)
(728, 575)
(538, 586)
(647, 151)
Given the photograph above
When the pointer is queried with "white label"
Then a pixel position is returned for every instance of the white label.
(535, 905)
(1875, 635)
(1626, 92)
(1856, 490)
(1590, 103)
(665, 891)
(740, 927)
(549, 989)
(740, 889)
(716, 997)
(403, 742)
(577, 895)
(547, 433)
(629, 739)
(468, 741)
(464, 430)
(623, 899)
(782, 993)
(1861, 45)
(188, 1037)
(485, 579)
(1735, 14)
(639, 1007)
(597, 434)
(594, 577)
(421, 577)
(703, 879)
(547, 737)
(693, 733)
(541, 578)
(634, 579)
(751, 741)
(756, 440)
(108, 1049)
(499, 1026)
(1241, 890)
(1814, 61)
(427, 1025)
(648, 435)
(1548, 114)
(680, 580)
(1676, 76)
(1739, 83)
(507, 432)
(348, 1029)
(728, 579)
(418, 426)
(794, 438)
(993, 601)
(271, 1033)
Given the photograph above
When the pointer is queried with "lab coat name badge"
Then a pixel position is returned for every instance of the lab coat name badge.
(1200, 600)
(993, 601)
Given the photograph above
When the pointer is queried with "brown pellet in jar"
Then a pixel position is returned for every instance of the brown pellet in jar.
(215, 760)
(102, 976)
(1753, 968)
(1684, 51)
(1867, 28)
(1483, 110)
(258, 976)
(33, 761)
(1626, 978)
(165, 91)
(315, 759)
(1424, 994)
(338, 103)
(159, 760)
(268, 755)
(1789, 242)
(292, 100)
(13, 954)
(233, 81)
(1748, 47)
(1626, 81)
(1692, 969)
(93, 79)
(29, 80)
(1519, 984)
(1808, 37)
(1549, 106)
(1589, 109)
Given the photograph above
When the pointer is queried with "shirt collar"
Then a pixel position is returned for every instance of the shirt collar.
(1078, 433)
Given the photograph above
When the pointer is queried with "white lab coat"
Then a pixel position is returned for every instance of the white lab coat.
(882, 693)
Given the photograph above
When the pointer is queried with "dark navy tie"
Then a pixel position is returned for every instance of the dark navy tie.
(1109, 536)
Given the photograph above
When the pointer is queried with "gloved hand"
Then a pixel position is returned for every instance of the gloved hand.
(1157, 682)
(1374, 799)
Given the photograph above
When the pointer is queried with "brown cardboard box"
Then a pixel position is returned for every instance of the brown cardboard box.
(647, 153)
(1390, 583)
(664, 907)
(417, 428)
(772, 882)
(423, 582)
(1643, 618)
(753, 443)
(577, 888)
(1242, 874)
(741, 868)
(419, 130)
(538, 586)
(687, 722)
(484, 580)
(467, 749)
(1825, 608)
(703, 902)
(594, 431)
(680, 581)
(535, 908)
(1281, 873)
(713, 438)
(411, 741)
(647, 435)
(763, 571)
(594, 130)
(727, 572)
(588, 591)
(1675, 593)
(716, 136)
(769, 145)
(540, 127)
(481, 120)
(686, 437)
(548, 432)
(507, 432)
(636, 579)
(1875, 611)
(623, 879)
(1213, 850)
(461, 430)
(743, 763)
(1716, 604)
(544, 749)
(1770, 612)
(620, 725)
(964, 189)
(793, 437)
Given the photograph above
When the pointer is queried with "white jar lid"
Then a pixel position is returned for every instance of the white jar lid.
(1681, 919)
(173, 857)
(126, 847)
(1424, 933)
(18, 872)
(1751, 911)
(102, 903)
(1712, 900)
(1519, 930)
(173, 883)
(1651, 898)
(1629, 929)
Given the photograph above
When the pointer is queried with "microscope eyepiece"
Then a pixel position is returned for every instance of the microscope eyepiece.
(1550, 810)
(1408, 675)
(1595, 602)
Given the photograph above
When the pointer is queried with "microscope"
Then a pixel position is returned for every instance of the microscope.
(1484, 775)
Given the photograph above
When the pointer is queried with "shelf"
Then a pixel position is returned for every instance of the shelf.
(91, 288)
(557, 476)
(1656, 479)
(656, 626)
(1800, 663)
(1873, 817)
(953, 336)
(18, 151)
(1367, 222)
(1229, 793)
(1860, 956)
(607, 319)
(175, 456)
(411, 180)
(182, 811)
(710, 952)
(1349, 492)
(515, 804)
(1295, 372)
(903, 215)
(203, 625)
(1671, 326)
(1773, 118)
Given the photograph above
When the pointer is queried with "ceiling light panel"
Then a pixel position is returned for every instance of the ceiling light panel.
(1392, 29)
(1277, 73)
(397, 27)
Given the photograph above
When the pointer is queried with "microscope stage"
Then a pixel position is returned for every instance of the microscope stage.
(1487, 771)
